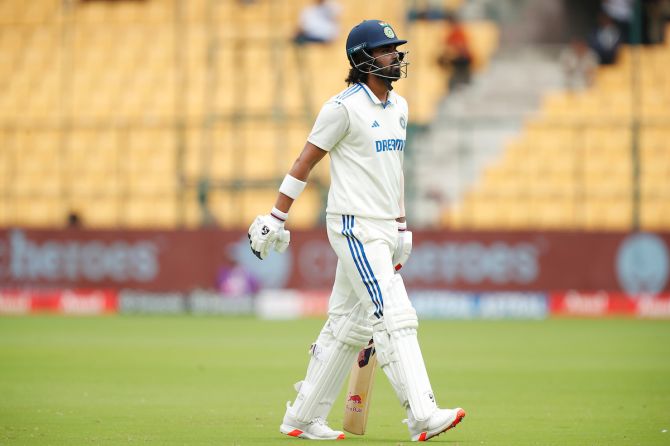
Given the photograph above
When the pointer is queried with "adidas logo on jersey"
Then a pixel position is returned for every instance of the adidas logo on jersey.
(375, 124)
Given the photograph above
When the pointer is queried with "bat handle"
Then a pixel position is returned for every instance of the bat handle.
(365, 354)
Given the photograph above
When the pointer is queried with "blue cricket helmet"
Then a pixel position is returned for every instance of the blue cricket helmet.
(365, 37)
(370, 34)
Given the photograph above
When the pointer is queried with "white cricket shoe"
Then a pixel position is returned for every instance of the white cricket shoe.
(440, 421)
(317, 429)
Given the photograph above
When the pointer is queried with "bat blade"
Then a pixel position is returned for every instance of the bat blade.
(359, 392)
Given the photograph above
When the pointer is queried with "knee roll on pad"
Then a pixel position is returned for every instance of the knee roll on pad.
(353, 330)
(395, 320)
(399, 312)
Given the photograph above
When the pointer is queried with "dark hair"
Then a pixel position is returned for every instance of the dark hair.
(355, 76)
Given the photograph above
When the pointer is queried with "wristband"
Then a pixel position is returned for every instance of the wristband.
(279, 215)
(292, 187)
(402, 227)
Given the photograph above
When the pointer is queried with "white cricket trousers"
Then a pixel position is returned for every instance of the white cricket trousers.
(365, 277)
(364, 248)
(356, 312)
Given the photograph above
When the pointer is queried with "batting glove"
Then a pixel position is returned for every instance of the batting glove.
(403, 247)
(265, 233)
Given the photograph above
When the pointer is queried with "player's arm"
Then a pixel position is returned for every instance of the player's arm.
(267, 231)
(303, 165)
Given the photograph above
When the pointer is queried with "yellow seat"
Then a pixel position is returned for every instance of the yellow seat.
(154, 212)
(485, 213)
(609, 214)
(655, 213)
(97, 212)
(454, 217)
(655, 184)
(38, 212)
(144, 184)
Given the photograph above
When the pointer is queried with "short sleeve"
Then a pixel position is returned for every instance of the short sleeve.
(330, 126)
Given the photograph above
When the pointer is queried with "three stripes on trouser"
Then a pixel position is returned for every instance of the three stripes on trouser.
(362, 265)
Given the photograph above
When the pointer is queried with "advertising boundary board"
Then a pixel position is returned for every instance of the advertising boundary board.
(476, 262)
(293, 304)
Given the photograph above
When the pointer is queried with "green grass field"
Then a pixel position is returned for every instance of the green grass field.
(224, 381)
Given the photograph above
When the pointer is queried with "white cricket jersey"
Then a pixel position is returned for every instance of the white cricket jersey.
(366, 141)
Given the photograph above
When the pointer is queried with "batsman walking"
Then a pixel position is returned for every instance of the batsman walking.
(363, 129)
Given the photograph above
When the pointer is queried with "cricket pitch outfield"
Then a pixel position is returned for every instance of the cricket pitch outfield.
(187, 380)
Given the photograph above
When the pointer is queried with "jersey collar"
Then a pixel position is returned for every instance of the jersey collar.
(391, 96)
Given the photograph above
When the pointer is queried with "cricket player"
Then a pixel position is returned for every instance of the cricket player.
(363, 129)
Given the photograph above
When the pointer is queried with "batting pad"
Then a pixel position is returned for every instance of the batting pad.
(386, 356)
(402, 360)
(333, 354)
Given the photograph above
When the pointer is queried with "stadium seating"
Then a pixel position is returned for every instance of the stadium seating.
(572, 166)
(111, 110)
(120, 110)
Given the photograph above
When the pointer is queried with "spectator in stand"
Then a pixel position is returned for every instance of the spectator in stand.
(579, 63)
(234, 280)
(73, 220)
(426, 10)
(621, 13)
(319, 23)
(606, 39)
(456, 57)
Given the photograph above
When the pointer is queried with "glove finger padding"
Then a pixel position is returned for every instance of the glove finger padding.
(265, 242)
(283, 240)
(403, 249)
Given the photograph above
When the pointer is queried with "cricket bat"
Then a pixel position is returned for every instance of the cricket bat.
(359, 392)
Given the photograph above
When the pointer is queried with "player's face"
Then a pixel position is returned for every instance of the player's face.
(388, 58)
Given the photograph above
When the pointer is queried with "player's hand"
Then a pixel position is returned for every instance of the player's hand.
(265, 233)
(403, 248)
